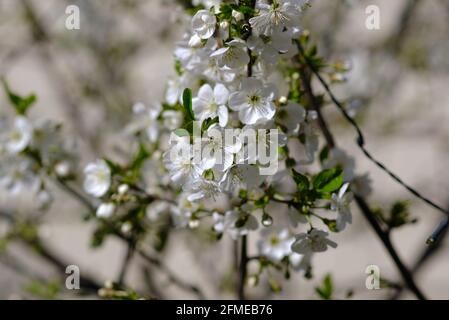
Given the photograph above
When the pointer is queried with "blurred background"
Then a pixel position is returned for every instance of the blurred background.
(90, 78)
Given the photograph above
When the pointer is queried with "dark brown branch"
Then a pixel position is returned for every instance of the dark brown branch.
(243, 267)
(131, 242)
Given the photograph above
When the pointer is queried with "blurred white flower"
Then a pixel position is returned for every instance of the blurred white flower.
(105, 210)
(292, 116)
(234, 223)
(17, 137)
(313, 241)
(97, 178)
(202, 189)
(340, 202)
(275, 245)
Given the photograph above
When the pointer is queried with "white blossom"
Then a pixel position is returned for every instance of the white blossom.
(313, 241)
(236, 224)
(17, 137)
(254, 101)
(276, 245)
(203, 24)
(275, 16)
(233, 56)
(340, 202)
(211, 103)
(97, 178)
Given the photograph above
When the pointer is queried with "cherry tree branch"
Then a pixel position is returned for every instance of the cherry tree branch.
(382, 234)
(131, 243)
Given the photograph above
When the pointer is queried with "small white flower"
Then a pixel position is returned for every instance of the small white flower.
(311, 143)
(105, 210)
(145, 120)
(254, 101)
(341, 203)
(212, 103)
(202, 189)
(241, 176)
(180, 161)
(219, 148)
(275, 16)
(203, 24)
(233, 56)
(19, 136)
(292, 116)
(228, 223)
(276, 246)
(361, 185)
(313, 241)
(97, 178)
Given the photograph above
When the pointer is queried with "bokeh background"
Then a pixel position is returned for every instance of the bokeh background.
(89, 78)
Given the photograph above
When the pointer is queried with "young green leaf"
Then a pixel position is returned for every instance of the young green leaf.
(301, 181)
(326, 289)
(187, 103)
(328, 180)
(21, 104)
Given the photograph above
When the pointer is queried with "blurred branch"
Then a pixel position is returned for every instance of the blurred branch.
(396, 40)
(132, 243)
(35, 243)
(41, 37)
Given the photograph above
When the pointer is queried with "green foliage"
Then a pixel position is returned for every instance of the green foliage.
(328, 181)
(274, 285)
(398, 215)
(20, 104)
(302, 182)
(325, 291)
(43, 290)
(187, 104)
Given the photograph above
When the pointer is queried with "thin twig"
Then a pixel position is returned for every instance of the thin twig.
(382, 234)
(154, 261)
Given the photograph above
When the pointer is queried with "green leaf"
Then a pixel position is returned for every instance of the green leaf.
(324, 154)
(301, 181)
(21, 104)
(326, 289)
(115, 167)
(274, 285)
(329, 180)
(187, 103)
(331, 224)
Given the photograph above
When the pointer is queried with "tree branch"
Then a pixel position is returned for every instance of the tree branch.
(383, 235)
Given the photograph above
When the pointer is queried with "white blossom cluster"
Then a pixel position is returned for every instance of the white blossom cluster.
(29, 152)
(231, 65)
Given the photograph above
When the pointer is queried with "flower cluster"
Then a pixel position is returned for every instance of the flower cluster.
(228, 59)
(29, 153)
